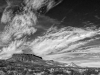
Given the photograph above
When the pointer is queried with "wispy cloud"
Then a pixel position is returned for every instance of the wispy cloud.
(67, 44)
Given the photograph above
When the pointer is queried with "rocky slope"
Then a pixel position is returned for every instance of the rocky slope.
(28, 64)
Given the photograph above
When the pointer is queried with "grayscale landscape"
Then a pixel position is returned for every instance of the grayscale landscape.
(49, 37)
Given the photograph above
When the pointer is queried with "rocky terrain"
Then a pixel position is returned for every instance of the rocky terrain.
(28, 64)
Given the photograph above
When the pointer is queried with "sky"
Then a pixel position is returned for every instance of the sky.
(74, 12)
(67, 44)
(77, 12)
